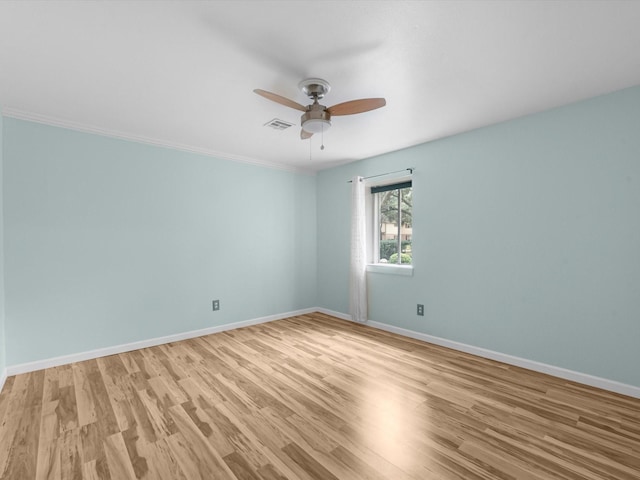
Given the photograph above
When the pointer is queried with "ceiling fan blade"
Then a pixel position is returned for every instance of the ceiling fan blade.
(357, 106)
(304, 134)
(280, 99)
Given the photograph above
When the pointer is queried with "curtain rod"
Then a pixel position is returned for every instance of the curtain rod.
(388, 173)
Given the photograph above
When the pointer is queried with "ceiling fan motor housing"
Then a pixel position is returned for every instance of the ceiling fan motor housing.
(315, 119)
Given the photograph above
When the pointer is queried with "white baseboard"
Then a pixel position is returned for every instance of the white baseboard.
(559, 372)
(598, 382)
(333, 313)
(127, 347)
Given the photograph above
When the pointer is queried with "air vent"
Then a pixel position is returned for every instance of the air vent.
(278, 124)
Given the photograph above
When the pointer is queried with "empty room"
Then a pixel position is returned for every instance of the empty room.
(209, 267)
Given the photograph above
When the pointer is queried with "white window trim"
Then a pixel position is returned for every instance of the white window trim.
(390, 269)
(372, 237)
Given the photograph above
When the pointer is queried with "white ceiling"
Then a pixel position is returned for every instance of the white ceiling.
(182, 73)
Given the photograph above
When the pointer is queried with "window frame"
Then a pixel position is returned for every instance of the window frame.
(373, 229)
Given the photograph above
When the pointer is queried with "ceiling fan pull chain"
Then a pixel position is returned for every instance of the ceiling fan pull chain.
(322, 138)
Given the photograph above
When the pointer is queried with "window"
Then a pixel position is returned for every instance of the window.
(392, 210)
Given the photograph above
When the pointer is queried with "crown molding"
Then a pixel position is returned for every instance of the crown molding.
(85, 128)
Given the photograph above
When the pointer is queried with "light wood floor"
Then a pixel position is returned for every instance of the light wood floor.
(310, 397)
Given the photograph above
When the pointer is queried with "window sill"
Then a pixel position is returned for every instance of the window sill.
(387, 269)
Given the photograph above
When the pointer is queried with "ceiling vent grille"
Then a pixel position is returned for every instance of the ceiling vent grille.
(278, 124)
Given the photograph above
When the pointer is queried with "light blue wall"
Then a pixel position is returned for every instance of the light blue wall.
(109, 241)
(2, 338)
(526, 238)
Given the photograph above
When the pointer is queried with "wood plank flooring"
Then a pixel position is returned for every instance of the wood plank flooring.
(310, 397)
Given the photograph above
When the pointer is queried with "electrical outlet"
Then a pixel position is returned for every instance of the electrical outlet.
(216, 305)
(420, 310)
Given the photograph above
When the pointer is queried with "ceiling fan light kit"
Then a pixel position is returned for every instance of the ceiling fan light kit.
(316, 117)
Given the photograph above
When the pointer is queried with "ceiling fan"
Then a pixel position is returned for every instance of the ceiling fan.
(316, 117)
